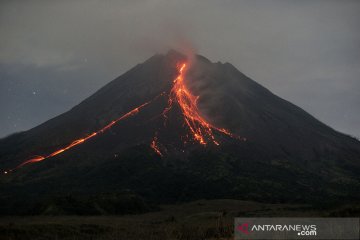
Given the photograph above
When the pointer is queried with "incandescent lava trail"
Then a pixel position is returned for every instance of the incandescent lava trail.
(82, 140)
(201, 130)
(155, 147)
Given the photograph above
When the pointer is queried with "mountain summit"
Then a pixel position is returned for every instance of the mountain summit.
(171, 129)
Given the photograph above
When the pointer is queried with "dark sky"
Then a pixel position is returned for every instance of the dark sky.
(53, 54)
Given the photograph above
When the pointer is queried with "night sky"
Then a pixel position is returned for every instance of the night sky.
(53, 54)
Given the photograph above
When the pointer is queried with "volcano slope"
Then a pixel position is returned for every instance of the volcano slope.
(176, 129)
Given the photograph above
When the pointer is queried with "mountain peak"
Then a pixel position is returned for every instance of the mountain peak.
(173, 52)
(168, 124)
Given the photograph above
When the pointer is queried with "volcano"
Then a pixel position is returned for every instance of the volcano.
(176, 129)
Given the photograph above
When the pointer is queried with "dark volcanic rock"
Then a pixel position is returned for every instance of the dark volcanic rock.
(288, 156)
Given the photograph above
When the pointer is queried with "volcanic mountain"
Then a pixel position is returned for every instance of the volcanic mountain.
(175, 129)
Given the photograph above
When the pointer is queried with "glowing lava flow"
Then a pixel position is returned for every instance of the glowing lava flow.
(155, 147)
(81, 140)
(201, 130)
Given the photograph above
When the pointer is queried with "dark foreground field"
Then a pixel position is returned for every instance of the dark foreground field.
(203, 219)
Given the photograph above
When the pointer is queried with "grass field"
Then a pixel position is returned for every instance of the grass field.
(203, 219)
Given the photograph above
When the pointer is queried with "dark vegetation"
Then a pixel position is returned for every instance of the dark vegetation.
(101, 204)
(141, 180)
(203, 219)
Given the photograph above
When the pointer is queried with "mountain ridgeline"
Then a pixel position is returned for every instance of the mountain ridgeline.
(219, 135)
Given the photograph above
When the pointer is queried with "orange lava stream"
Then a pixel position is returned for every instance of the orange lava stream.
(201, 130)
(155, 147)
(81, 140)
